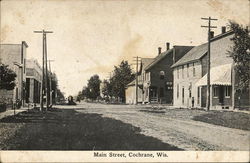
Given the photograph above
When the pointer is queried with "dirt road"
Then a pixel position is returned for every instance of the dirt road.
(174, 127)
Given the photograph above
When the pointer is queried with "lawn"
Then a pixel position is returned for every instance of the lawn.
(229, 119)
(66, 129)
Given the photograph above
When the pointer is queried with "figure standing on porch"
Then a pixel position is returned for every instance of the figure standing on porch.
(192, 102)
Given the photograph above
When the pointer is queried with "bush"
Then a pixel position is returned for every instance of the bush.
(3, 107)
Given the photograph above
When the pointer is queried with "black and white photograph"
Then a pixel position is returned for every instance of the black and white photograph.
(124, 80)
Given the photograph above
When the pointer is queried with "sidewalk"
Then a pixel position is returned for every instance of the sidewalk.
(10, 112)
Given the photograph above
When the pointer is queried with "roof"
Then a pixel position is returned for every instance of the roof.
(145, 62)
(131, 83)
(194, 54)
(158, 58)
(219, 75)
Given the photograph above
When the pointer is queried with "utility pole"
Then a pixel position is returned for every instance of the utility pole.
(208, 59)
(45, 66)
(50, 83)
(136, 80)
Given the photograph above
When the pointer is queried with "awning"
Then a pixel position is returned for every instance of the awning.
(220, 75)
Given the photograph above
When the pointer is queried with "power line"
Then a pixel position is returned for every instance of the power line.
(45, 66)
(208, 58)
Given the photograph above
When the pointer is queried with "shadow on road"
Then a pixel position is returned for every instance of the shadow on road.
(66, 129)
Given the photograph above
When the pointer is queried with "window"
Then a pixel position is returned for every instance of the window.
(177, 90)
(182, 72)
(187, 70)
(183, 91)
(193, 70)
(190, 90)
(227, 91)
(161, 92)
(177, 72)
(198, 92)
(162, 74)
(215, 91)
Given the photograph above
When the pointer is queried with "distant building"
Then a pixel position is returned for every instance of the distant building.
(14, 55)
(131, 89)
(33, 81)
(155, 82)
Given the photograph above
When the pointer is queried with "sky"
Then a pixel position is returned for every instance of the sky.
(91, 37)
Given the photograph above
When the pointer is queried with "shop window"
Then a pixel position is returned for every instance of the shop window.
(227, 91)
(215, 91)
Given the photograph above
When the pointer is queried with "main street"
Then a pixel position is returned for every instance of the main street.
(173, 126)
(95, 126)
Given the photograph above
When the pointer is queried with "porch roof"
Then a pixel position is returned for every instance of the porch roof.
(220, 75)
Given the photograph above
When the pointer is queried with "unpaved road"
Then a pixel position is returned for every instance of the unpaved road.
(174, 129)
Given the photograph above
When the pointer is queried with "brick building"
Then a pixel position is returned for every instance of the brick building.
(33, 81)
(14, 55)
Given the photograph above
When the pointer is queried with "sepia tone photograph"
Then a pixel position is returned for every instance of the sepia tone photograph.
(125, 79)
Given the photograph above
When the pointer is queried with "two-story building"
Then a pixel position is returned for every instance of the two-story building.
(187, 71)
(33, 81)
(155, 82)
(130, 92)
(190, 76)
(14, 55)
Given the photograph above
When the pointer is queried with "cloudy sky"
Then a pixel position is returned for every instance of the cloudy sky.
(90, 37)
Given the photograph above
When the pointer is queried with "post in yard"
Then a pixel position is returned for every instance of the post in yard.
(208, 60)
(44, 79)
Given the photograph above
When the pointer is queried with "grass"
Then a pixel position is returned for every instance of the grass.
(229, 119)
(66, 129)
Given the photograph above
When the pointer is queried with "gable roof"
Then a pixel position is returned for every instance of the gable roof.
(144, 63)
(158, 58)
(162, 55)
(194, 54)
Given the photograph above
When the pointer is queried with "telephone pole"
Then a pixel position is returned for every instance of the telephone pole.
(50, 83)
(45, 66)
(136, 79)
(208, 58)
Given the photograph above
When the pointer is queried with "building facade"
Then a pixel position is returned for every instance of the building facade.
(155, 80)
(14, 55)
(187, 71)
(191, 91)
(33, 81)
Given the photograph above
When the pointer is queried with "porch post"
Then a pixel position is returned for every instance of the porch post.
(233, 85)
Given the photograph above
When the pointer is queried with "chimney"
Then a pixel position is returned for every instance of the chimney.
(167, 45)
(223, 29)
(211, 34)
(159, 50)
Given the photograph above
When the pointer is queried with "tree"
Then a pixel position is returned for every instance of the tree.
(7, 78)
(122, 77)
(240, 53)
(93, 87)
(106, 90)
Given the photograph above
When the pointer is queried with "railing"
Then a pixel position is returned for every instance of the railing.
(154, 100)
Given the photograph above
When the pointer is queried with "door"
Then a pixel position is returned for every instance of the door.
(183, 95)
(221, 95)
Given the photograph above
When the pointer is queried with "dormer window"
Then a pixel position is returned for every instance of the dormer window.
(162, 74)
